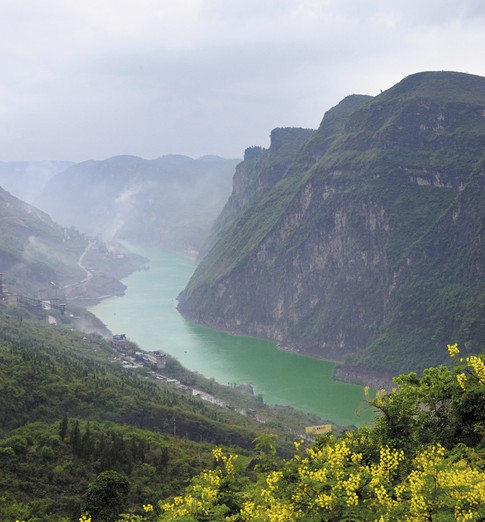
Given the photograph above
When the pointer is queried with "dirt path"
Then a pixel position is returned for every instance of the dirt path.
(80, 263)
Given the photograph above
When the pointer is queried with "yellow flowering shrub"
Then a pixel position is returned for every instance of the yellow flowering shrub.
(331, 483)
(204, 498)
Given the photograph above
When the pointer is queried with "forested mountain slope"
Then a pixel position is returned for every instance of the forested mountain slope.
(69, 410)
(369, 248)
(38, 258)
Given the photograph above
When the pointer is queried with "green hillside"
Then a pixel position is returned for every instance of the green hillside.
(371, 239)
(69, 411)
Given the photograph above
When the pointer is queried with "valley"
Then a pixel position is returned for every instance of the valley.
(146, 313)
(221, 339)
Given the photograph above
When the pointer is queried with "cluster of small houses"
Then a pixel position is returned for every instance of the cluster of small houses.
(13, 299)
(156, 360)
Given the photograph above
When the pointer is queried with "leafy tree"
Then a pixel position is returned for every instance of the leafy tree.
(106, 496)
(63, 428)
(445, 406)
(266, 457)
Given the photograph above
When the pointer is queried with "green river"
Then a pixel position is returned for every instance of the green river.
(147, 315)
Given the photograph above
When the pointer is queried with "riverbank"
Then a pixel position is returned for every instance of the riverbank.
(347, 373)
(104, 266)
(342, 372)
(147, 314)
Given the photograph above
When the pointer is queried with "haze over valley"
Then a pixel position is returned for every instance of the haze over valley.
(324, 244)
(242, 261)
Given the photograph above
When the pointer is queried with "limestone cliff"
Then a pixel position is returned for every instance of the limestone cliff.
(366, 246)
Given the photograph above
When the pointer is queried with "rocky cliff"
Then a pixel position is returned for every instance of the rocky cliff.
(366, 245)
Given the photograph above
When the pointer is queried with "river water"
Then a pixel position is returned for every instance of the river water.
(147, 315)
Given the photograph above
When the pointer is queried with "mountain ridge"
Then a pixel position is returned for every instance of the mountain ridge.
(312, 262)
(170, 201)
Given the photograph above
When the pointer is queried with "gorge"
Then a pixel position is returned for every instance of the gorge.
(147, 314)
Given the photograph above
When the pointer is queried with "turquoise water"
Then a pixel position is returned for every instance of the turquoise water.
(147, 315)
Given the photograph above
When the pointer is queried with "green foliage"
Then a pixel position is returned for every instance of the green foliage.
(422, 461)
(107, 496)
(265, 448)
(45, 474)
(69, 411)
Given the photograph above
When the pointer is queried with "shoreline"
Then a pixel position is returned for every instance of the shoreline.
(349, 373)
(342, 372)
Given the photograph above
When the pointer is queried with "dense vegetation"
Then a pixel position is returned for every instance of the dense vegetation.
(69, 411)
(423, 460)
(80, 434)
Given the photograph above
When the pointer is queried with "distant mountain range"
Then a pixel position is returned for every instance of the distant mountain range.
(362, 242)
(171, 201)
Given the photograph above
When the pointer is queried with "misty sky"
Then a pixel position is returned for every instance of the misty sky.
(90, 79)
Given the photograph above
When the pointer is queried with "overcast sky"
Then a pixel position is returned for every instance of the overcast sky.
(90, 79)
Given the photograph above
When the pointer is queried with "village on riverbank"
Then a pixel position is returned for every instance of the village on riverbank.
(129, 355)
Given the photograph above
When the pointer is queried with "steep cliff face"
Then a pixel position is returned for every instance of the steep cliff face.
(257, 175)
(371, 235)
